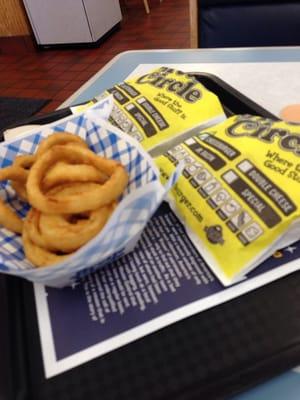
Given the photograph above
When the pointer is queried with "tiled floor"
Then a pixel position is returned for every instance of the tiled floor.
(56, 74)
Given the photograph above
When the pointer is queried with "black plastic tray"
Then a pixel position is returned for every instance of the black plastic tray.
(212, 355)
(233, 101)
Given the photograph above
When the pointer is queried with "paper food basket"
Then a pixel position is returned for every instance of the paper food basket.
(141, 198)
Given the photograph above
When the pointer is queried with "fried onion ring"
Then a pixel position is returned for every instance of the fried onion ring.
(63, 173)
(68, 232)
(32, 226)
(59, 139)
(13, 173)
(9, 219)
(72, 191)
(75, 188)
(88, 200)
(18, 176)
(39, 256)
(24, 161)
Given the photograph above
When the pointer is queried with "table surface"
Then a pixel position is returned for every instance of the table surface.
(207, 59)
(286, 386)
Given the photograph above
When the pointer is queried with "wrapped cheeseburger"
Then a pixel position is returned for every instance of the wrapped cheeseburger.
(161, 108)
(239, 194)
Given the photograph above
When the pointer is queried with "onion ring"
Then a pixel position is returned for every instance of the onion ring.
(32, 226)
(89, 200)
(24, 161)
(72, 191)
(63, 173)
(13, 173)
(59, 139)
(9, 219)
(75, 188)
(18, 176)
(39, 256)
(65, 233)
(68, 232)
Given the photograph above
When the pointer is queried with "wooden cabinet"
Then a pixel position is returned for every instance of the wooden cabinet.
(14, 21)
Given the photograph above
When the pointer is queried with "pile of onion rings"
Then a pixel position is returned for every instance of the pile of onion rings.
(72, 193)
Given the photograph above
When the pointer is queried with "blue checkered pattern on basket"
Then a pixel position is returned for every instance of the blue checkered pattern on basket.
(144, 194)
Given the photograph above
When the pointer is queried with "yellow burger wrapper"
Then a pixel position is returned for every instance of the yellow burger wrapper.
(162, 106)
(239, 194)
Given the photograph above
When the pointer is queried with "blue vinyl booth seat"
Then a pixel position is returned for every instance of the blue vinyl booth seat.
(243, 23)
